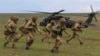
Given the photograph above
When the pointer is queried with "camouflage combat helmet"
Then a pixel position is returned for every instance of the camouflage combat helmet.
(34, 18)
(62, 20)
(27, 19)
(14, 18)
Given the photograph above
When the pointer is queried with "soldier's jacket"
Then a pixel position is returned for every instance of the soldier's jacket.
(77, 27)
(11, 26)
(58, 29)
(49, 27)
(30, 25)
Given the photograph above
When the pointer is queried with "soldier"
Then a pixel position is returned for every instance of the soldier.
(57, 30)
(76, 30)
(35, 26)
(10, 32)
(22, 30)
(30, 27)
(48, 31)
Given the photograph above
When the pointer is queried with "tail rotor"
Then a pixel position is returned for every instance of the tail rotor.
(94, 13)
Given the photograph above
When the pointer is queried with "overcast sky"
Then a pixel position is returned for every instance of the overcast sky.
(73, 6)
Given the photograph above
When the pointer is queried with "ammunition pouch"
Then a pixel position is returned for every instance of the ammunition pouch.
(7, 32)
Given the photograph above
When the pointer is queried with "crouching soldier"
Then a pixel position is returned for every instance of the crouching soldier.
(76, 31)
(57, 30)
(10, 32)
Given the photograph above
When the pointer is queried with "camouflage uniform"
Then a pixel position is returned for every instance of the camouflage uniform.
(22, 30)
(30, 27)
(76, 30)
(10, 32)
(57, 30)
(48, 30)
(35, 26)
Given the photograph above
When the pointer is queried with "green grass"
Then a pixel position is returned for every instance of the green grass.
(91, 46)
(90, 37)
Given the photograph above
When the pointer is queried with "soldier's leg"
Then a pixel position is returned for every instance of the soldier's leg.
(14, 40)
(7, 40)
(57, 44)
(78, 37)
(47, 35)
(49, 38)
(30, 39)
(73, 36)
(19, 36)
(44, 37)
(67, 33)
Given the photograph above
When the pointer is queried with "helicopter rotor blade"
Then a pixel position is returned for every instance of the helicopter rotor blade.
(91, 8)
(39, 12)
(58, 12)
(61, 11)
(46, 12)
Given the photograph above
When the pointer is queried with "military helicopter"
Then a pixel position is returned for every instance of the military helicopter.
(87, 23)
(69, 23)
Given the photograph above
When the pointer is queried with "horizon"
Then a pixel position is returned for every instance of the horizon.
(71, 6)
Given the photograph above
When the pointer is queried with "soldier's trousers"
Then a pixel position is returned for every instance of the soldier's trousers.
(47, 36)
(75, 34)
(29, 39)
(58, 43)
(20, 35)
(10, 38)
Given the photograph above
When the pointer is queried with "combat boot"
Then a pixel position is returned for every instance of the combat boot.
(13, 46)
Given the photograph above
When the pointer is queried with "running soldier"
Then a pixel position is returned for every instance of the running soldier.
(10, 32)
(22, 30)
(30, 26)
(57, 30)
(76, 30)
(48, 31)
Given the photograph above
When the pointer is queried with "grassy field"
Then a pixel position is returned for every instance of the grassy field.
(90, 37)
